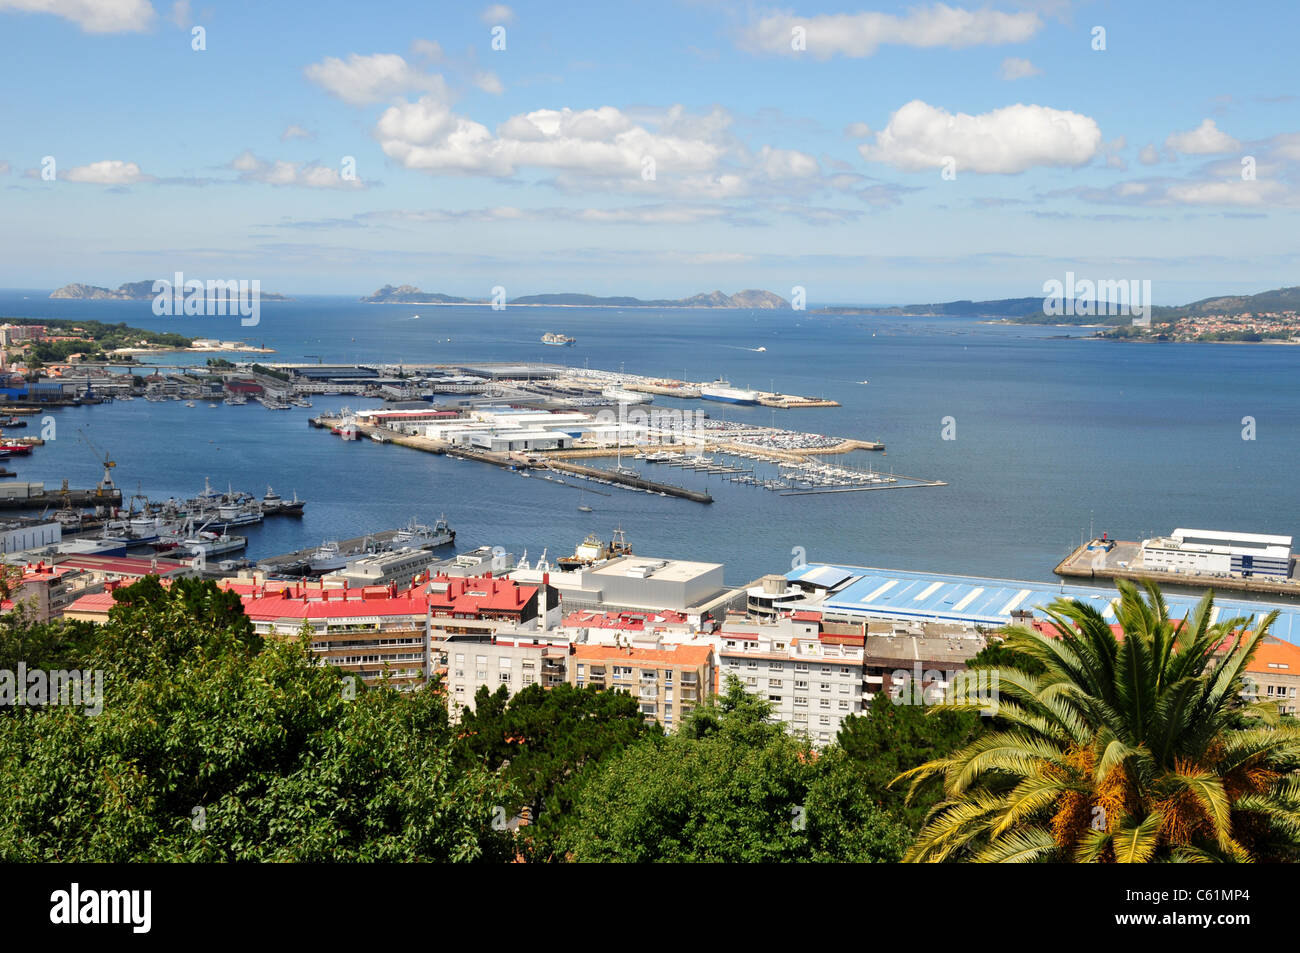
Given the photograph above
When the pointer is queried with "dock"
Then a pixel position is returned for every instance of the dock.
(1095, 564)
(290, 563)
(509, 462)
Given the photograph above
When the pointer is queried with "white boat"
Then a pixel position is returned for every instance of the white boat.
(626, 396)
(722, 390)
(556, 340)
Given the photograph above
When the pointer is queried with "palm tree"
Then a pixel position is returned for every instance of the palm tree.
(1127, 750)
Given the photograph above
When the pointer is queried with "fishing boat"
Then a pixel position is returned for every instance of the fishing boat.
(275, 505)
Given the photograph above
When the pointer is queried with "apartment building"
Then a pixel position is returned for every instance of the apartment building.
(811, 673)
(667, 683)
(512, 659)
(1273, 675)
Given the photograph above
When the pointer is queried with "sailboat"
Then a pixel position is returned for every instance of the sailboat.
(618, 466)
(583, 507)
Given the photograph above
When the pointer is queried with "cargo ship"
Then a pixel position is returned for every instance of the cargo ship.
(723, 391)
(558, 340)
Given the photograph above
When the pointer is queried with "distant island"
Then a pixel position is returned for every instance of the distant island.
(1269, 316)
(129, 291)
(749, 298)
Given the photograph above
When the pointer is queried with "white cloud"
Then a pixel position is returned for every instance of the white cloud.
(308, 175)
(1206, 139)
(294, 131)
(107, 172)
(861, 34)
(787, 164)
(1015, 68)
(427, 136)
(1149, 155)
(363, 80)
(180, 14)
(489, 82)
(1007, 140)
(93, 16)
(857, 130)
(498, 13)
(1230, 192)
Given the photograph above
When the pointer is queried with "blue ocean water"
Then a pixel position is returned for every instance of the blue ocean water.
(1053, 432)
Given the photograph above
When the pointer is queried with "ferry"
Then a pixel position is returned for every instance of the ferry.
(626, 396)
(558, 340)
(722, 390)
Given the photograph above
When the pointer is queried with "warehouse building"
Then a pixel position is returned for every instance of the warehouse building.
(1211, 553)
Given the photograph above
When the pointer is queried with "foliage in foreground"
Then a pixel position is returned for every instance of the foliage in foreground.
(215, 746)
(730, 786)
(1122, 750)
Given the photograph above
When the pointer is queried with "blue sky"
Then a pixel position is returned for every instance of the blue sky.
(907, 152)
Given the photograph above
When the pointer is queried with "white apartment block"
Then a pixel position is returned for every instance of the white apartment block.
(813, 679)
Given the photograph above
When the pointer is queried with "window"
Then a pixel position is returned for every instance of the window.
(529, 679)
(801, 701)
(825, 719)
(800, 716)
(779, 646)
(505, 676)
(801, 666)
(481, 659)
(826, 686)
(580, 668)
(752, 663)
(824, 703)
(774, 698)
(799, 683)
(460, 659)
(481, 674)
(775, 666)
(754, 683)
(845, 670)
(774, 683)
(844, 703)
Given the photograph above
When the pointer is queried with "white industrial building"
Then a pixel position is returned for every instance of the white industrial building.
(1207, 552)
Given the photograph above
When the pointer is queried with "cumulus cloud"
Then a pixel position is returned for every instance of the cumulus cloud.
(1149, 155)
(498, 13)
(1015, 68)
(426, 135)
(363, 80)
(107, 172)
(278, 172)
(294, 131)
(1206, 139)
(1007, 140)
(861, 34)
(93, 16)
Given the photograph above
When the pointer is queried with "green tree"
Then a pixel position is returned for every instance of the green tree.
(545, 742)
(1122, 750)
(890, 738)
(729, 787)
(215, 745)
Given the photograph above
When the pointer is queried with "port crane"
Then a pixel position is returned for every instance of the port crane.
(107, 482)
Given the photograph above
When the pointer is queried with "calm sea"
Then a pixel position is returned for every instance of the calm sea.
(1053, 434)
